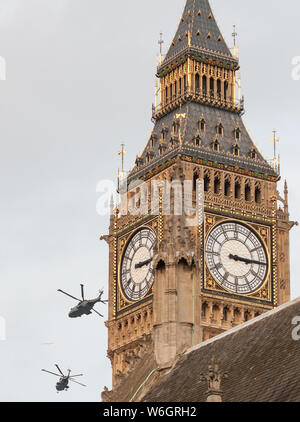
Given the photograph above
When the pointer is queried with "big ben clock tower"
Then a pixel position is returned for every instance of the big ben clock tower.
(172, 284)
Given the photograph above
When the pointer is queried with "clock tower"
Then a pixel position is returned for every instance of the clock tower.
(173, 284)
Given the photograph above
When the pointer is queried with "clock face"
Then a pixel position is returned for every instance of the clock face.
(236, 258)
(137, 273)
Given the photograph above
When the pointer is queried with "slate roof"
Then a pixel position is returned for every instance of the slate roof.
(190, 128)
(261, 359)
(129, 386)
(199, 18)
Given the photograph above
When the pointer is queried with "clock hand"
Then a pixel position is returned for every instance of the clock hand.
(142, 264)
(247, 261)
(238, 258)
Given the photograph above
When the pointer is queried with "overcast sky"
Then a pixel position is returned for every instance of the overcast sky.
(80, 80)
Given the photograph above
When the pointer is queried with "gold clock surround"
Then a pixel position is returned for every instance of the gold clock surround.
(264, 234)
(124, 305)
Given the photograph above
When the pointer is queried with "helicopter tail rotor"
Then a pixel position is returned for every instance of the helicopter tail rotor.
(101, 292)
(82, 291)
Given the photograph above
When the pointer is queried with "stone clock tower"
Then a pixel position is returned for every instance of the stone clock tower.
(173, 285)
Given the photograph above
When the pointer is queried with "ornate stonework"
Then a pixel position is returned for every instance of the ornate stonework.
(197, 137)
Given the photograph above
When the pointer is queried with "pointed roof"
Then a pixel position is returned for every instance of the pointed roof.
(206, 38)
(194, 113)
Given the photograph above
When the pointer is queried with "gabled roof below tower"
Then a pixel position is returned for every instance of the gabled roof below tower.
(261, 359)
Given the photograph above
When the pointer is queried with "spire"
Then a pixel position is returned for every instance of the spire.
(198, 32)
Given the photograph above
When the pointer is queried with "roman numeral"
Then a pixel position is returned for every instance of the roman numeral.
(225, 234)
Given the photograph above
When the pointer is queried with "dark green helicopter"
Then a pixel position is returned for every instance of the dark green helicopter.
(84, 307)
(63, 383)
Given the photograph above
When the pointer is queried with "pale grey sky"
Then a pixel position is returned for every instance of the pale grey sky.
(80, 80)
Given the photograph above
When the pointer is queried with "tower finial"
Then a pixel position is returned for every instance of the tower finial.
(121, 173)
(274, 140)
(123, 152)
(160, 42)
(234, 35)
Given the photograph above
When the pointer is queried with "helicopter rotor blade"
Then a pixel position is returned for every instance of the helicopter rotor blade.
(98, 313)
(72, 376)
(52, 373)
(67, 294)
(59, 370)
(83, 385)
(82, 291)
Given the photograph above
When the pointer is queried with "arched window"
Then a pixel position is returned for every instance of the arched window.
(225, 90)
(220, 129)
(237, 190)
(258, 194)
(247, 192)
(175, 127)
(206, 183)
(212, 87)
(253, 154)
(238, 134)
(197, 141)
(161, 266)
(202, 125)
(219, 88)
(167, 95)
(175, 90)
(226, 314)
(197, 82)
(236, 150)
(171, 92)
(216, 313)
(247, 316)
(205, 310)
(195, 180)
(204, 85)
(164, 132)
(237, 315)
(227, 187)
(217, 185)
(216, 146)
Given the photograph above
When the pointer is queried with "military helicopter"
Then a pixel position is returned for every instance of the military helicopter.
(63, 383)
(84, 307)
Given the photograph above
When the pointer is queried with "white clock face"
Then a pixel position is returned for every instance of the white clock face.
(236, 258)
(137, 273)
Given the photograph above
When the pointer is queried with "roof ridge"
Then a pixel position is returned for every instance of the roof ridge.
(244, 325)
